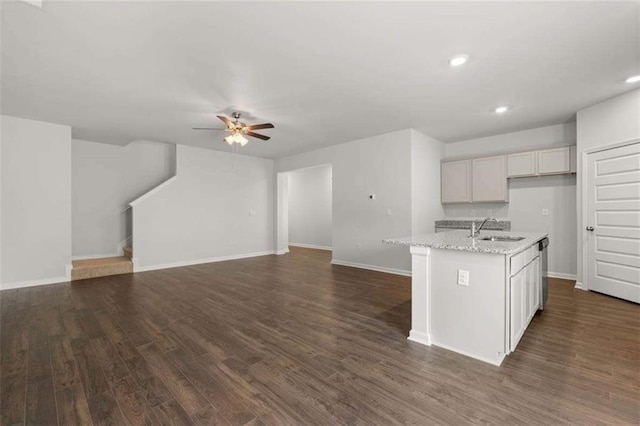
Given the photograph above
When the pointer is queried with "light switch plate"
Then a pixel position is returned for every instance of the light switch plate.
(463, 277)
(545, 212)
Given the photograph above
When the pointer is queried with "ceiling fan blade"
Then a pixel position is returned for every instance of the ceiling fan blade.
(209, 128)
(226, 121)
(260, 126)
(259, 136)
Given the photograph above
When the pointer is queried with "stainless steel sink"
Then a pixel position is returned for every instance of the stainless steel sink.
(503, 238)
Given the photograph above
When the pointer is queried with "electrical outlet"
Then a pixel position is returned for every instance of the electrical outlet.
(252, 213)
(388, 212)
(545, 212)
(463, 277)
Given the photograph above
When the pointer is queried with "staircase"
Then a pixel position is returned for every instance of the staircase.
(102, 267)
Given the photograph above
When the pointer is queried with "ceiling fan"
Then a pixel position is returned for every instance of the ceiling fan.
(238, 129)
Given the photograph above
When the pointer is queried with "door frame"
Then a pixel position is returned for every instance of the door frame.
(282, 206)
(584, 164)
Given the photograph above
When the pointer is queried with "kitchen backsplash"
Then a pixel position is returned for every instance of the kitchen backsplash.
(501, 225)
(466, 211)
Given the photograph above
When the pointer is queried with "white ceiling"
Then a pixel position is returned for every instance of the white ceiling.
(323, 73)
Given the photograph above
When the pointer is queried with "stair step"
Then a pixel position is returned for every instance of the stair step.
(128, 252)
(102, 267)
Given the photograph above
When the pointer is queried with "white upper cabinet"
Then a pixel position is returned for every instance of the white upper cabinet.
(474, 181)
(522, 164)
(455, 181)
(489, 179)
(554, 161)
(485, 179)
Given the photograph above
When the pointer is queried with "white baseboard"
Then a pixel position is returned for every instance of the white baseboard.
(137, 268)
(562, 276)
(284, 251)
(311, 246)
(96, 256)
(495, 362)
(579, 286)
(34, 283)
(372, 267)
(419, 337)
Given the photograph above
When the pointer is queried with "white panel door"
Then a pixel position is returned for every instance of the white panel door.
(613, 222)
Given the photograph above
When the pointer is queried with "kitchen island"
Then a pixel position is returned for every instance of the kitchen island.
(471, 295)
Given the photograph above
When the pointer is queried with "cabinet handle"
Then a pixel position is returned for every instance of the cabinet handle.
(590, 228)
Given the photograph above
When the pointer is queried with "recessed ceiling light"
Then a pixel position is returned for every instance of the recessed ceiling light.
(458, 60)
(502, 109)
(633, 79)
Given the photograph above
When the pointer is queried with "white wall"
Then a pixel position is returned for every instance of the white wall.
(380, 165)
(36, 202)
(606, 123)
(528, 196)
(105, 178)
(612, 121)
(560, 134)
(310, 206)
(219, 205)
(426, 208)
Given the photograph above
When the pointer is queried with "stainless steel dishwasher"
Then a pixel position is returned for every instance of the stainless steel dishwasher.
(544, 288)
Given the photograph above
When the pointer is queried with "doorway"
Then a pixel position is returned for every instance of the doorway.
(305, 209)
(612, 221)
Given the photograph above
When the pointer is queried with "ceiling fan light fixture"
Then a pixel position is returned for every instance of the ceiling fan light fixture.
(237, 137)
(238, 129)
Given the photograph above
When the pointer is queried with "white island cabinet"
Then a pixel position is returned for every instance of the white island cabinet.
(473, 296)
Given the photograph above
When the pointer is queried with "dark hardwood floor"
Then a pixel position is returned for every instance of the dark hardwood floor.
(294, 340)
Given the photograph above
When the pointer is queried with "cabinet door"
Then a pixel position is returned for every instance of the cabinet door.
(517, 317)
(530, 302)
(554, 161)
(521, 164)
(537, 284)
(455, 181)
(573, 159)
(489, 179)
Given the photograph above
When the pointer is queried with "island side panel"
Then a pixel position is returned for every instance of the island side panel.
(420, 300)
(468, 319)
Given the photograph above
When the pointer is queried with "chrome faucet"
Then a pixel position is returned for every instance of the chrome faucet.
(475, 232)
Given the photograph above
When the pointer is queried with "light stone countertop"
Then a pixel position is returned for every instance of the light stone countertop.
(460, 240)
